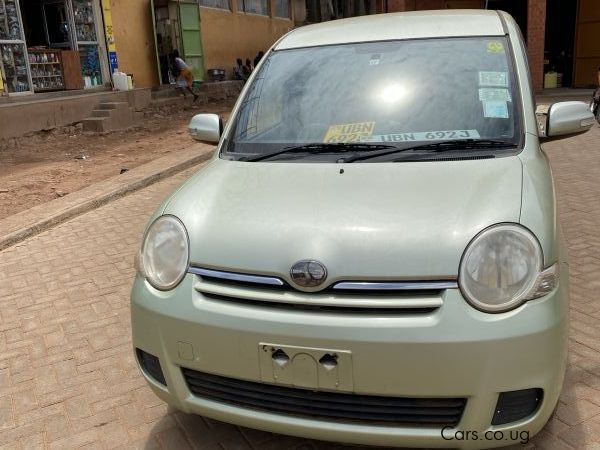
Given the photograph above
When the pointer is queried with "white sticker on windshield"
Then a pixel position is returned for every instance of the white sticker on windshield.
(423, 136)
(495, 109)
(374, 61)
(493, 79)
(494, 94)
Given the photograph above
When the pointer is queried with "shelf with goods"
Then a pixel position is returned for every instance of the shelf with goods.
(14, 67)
(84, 17)
(85, 26)
(13, 54)
(90, 65)
(10, 24)
(46, 70)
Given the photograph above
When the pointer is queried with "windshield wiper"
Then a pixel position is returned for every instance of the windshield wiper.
(441, 146)
(320, 148)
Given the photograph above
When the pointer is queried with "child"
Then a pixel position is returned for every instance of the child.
(183, 72)
(247, 69)
(238, 70)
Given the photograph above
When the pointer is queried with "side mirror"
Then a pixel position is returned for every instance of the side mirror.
(566, 118)
(206, 128)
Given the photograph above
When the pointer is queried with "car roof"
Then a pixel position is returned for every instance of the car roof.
(404, 25)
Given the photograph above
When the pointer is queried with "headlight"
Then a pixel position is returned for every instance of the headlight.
(164, 256)
(502, 268)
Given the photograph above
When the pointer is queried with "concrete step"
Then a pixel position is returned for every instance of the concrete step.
(97, 124)
(122, 118)
(101, 112)
(109, 116)
(113, 105)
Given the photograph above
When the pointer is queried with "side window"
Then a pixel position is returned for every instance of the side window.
(260, 7)
(282, 9)
(219, 4)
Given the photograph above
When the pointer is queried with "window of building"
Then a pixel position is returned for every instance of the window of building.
(220, 4)
(282, 9)
(256, 6)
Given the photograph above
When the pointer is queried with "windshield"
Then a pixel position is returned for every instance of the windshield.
(399, 93)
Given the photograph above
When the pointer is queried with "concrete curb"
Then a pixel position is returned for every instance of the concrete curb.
(28, 223)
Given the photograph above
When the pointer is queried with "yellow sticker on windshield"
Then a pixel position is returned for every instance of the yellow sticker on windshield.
(349, 132)
(495, 47)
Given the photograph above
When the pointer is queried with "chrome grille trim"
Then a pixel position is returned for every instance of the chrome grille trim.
(418, 285)
(266, 290)
(232, 276)
(392, 286)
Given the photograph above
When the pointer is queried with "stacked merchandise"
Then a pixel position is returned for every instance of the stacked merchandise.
(90, 65)
(85, 31)
(46, 71)
(13, 62)
(9, 21)
(84, 21)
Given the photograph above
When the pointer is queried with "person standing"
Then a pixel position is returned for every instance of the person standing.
(183, 73)
(238, 70)
(247, 69)
(258, 57)
(596, 99)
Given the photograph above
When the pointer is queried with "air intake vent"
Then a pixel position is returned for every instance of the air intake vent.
(321, 405)
(516, 405)
(151, 366)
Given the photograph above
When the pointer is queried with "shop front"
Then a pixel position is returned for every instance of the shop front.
(51, 45)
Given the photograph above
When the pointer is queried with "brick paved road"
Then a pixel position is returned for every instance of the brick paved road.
(67, 374)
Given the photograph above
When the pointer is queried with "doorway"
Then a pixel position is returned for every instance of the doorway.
(560, 39)
(177, 26)
(516, 8)
(587, 47)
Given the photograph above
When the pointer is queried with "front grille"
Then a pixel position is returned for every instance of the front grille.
(345, 297)
(392, 411)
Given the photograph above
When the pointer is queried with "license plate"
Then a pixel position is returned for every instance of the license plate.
(306, 367)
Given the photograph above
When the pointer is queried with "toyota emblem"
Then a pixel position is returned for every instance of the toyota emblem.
(308, 273)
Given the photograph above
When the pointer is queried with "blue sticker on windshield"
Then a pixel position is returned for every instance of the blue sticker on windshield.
(495, 109)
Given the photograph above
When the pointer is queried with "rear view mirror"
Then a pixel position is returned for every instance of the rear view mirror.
(566, 118)
(206, 128)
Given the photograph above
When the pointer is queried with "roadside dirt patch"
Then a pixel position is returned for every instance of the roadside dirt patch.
(50, 164)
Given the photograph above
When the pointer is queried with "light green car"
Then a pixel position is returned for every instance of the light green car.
(372, 255)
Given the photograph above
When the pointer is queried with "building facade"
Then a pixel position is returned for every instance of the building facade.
(76, 44)
(562, 36)
(241, 29)
(51, 45)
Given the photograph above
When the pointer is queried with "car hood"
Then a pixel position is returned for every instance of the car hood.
(363, 221)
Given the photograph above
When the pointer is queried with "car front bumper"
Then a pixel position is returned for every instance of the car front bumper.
(454, 351)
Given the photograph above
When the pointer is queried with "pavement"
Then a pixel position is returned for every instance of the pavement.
(31, 221)
(68, 378)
